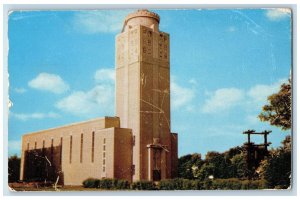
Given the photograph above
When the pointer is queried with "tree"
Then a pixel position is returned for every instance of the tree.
(188, 165)
(239, 166)
(13, 168)
(278, 111)
(215, 165)
(276, 169)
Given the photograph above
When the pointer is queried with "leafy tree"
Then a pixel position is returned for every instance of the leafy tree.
(276, 169)
(215, 165)
(13, 168)
(188, 165)
(206, 170)
(278, 111)
(239, 166)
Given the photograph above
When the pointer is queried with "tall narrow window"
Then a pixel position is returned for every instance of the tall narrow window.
(81, 147)
(93, 146)
(103, 157)
(61, 144)
(27, 146)
(133, 170)
(43, 150)
(51, 149)
(70, 159)
(133, 140)
(35, 145)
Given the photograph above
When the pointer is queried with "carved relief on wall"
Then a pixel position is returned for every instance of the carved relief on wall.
(147, 44)
(120, 51)
(163, 47)
(133, 46)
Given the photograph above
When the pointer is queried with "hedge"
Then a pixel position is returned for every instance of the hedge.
(143, 185)
(106, 184)
(217, 184)
(237, 184)
(176, 184)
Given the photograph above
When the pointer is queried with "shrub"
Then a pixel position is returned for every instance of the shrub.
(90, 183)
(181, 184)
(237, 184)
(170, 184)
(13, 168)
(122, 185)
(227, 184)
(143, 185)
(107, 184)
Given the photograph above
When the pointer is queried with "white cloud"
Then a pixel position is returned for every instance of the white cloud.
(105, 21)
(181, 96)
(226, 98)
(105, 75)
(49, 82)
(259, 93)
(20, 90)
(36, 115)
(278, 14)
(98, 100)
(223, 99)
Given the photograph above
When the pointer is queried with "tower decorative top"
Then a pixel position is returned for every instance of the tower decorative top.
(141, 17)
(142, 13)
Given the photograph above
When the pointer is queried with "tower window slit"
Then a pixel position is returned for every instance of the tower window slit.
(70, 158)
(81, 147)
(93, 146)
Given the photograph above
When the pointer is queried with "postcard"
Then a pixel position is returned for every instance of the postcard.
(150, 99)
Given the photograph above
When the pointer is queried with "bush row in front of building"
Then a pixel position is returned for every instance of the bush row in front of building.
(217, 184)
(108, 184)
(176, 184)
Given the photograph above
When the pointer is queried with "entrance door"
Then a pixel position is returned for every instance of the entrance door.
(156, 175)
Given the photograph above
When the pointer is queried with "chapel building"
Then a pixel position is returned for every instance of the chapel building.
(135, 145)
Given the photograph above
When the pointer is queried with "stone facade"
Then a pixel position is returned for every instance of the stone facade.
(98, 148)
(143, 94)
(136, 145)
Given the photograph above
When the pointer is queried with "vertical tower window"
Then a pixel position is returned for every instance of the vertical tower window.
(51, 149)
(61, 144)
(27, 146)
(93, 145)
(133, 140)
(133, 169)
(35, 145)
(81, 147)
(70, 158)
(103, 158)
(43, 149)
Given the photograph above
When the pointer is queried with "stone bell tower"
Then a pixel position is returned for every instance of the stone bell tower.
(143, 95)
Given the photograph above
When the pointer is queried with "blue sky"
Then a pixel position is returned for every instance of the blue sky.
(224, 64)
